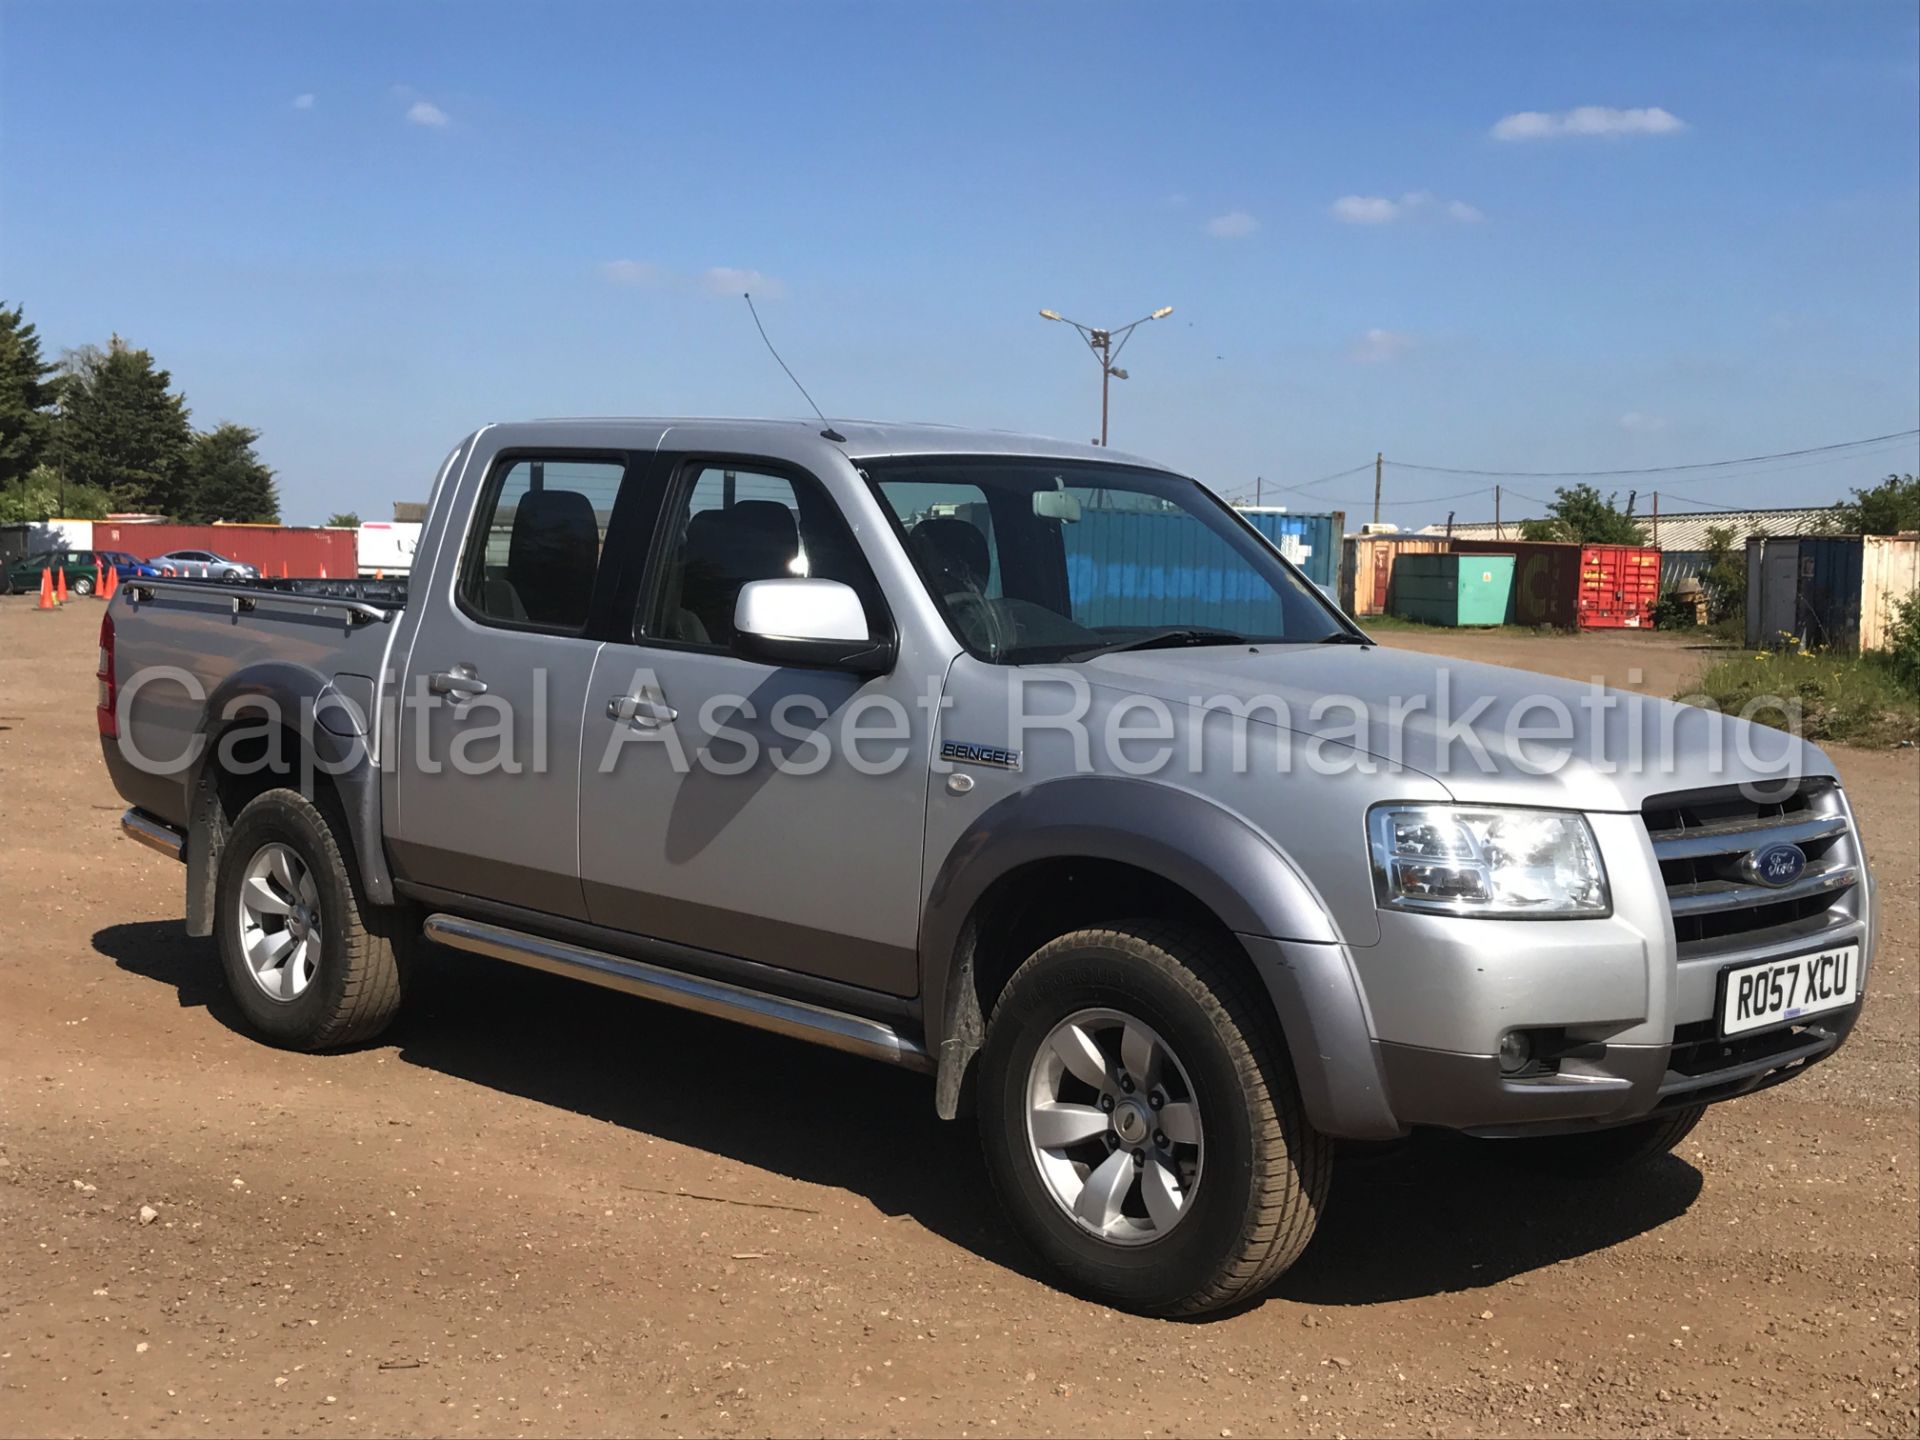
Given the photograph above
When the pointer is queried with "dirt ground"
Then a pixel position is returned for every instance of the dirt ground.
(499, 1220)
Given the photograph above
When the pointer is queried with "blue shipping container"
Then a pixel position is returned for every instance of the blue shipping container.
(1135, 568)
(1830, 590)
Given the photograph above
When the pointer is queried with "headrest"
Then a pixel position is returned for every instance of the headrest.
(956, 545)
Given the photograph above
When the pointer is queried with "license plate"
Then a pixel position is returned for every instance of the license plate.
(1778, 992)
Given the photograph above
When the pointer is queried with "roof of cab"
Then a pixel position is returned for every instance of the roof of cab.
(873, 439)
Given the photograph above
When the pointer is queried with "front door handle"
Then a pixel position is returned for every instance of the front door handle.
(638, 710)
(456, 682)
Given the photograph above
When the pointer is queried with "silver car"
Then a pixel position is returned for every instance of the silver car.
(203, 565)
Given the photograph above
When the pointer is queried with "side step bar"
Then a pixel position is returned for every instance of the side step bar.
(832, 1028)
(154, 834)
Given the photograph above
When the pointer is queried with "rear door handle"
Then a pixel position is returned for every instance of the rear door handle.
(638, 710)
(456, 682)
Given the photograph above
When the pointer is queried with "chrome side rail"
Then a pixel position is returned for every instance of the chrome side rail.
(834, 1029)
(243, 598)
(154, 834)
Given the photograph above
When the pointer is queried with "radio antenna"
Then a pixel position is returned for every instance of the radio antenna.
(830, 433)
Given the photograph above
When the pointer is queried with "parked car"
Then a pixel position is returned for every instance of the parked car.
(128, 566)
(203, 565)
(24, 575)
(816, 710)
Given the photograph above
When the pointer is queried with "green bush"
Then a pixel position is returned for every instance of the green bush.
(1674, 611)
(1901, 658)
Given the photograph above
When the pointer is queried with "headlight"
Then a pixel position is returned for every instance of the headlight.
(1503, 864)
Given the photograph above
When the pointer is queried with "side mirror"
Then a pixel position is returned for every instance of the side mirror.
(820, 623)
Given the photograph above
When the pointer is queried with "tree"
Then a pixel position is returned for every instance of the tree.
(226, 479)
(122, 429)
(1579, 514)
(38, 495)
(1886, 509)
(27, 395)
(346, 519)
(1725, 577)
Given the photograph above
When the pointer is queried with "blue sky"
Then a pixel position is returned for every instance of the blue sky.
(365, 229)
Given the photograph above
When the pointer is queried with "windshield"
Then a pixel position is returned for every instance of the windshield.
(1049, 560)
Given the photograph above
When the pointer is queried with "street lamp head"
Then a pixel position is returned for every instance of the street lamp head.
(1050, 315)
(1161, 313)
(1117, 373)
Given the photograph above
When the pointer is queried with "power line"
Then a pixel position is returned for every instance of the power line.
(1657, 469)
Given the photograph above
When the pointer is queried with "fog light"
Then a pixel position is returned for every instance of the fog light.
(1516, 1052)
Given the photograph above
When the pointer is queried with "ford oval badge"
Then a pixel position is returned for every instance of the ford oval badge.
(1776, 865)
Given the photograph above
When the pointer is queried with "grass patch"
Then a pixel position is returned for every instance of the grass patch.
(1858, 700)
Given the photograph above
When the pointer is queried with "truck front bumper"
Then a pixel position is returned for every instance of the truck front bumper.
(1625, 1017)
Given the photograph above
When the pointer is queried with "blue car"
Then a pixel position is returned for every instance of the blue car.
(127, 567)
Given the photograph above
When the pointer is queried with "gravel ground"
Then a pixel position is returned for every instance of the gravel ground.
(536, 1208)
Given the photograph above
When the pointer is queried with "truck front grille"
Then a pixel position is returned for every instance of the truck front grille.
(1701, 839)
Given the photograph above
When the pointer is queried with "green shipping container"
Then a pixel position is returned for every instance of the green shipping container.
(1452, 589)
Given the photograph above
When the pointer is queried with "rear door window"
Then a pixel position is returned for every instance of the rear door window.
(533, 558)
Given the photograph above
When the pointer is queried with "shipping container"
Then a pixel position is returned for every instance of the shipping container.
(1453, 589)
(1835, 592)
(308, 552)
(1310, 541)
(1138, 567)
(1366, 568)
(1571, 587)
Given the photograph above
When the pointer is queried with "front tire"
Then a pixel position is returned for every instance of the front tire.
(310, 963)
(1183, 1189)
(83, 586)
(1604, 1152)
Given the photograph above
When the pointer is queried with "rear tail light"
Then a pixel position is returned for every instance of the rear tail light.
(108, 699)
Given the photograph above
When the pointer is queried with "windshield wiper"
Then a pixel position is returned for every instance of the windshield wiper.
(1162, 640)
(1345, 637)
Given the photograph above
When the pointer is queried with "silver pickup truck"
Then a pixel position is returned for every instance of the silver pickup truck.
(1027, 765)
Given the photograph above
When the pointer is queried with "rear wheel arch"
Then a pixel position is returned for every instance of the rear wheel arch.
(262, 735)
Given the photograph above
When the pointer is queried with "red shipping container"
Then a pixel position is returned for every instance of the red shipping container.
(306, 552)
(1577, 587)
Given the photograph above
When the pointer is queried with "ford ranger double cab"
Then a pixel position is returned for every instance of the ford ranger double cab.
(1027, 765)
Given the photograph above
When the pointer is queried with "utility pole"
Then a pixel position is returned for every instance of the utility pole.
(1656, 519)
(1498, 534)
(1105, 349)
(1376, 486)
(1256, 492)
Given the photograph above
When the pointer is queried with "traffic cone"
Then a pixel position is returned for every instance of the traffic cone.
(323, 572)
(99, 581)
(379, 574)
(60, 588)
(46, 591)
(283, 569)
(113, 584)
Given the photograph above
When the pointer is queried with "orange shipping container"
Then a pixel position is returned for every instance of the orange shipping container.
(308, 552)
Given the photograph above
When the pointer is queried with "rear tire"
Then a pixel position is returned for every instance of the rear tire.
(1604, 1152)
(1228, 1211)
(308, 960)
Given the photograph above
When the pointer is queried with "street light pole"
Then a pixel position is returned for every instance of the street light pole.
(1102, 344)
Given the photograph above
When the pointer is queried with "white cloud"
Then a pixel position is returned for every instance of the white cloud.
(1640, 422)
(425, 112)
(1377, 347)
(1366, 209)
(1587, 120)
(729, 281)
(1234, 225)
(631, 272)
(1380, 210)
(303, 102)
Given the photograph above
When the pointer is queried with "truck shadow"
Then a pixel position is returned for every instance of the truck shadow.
(1437, 1215)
